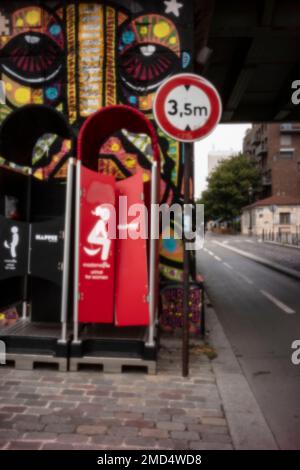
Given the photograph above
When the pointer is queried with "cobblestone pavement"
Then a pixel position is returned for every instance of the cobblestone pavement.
(44, 409)
(287, 257)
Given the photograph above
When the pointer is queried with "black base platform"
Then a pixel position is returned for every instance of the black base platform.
(26, 337)
(113, 349)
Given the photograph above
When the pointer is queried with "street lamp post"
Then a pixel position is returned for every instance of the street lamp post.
(250, 193)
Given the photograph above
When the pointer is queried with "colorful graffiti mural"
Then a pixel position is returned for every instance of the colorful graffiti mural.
(81, 56)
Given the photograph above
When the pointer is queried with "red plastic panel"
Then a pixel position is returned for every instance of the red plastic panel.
(131, 306)
(96, 248)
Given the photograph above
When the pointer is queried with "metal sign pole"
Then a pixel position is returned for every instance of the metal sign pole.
(67, 245)
(188, 156)
(77, 248)
(26, 284)
(178, 111)
(153, 256)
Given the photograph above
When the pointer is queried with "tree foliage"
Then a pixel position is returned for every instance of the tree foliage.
(228, 188)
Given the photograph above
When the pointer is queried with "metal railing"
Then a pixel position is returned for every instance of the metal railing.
(285, 238)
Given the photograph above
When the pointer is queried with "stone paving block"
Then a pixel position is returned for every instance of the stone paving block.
(28, 426)
(208, 429)
(36, 410)
(31, 389)
(107, 440)
(72, 438)
(71, 398)
(54, 419)
(108, 422)
(24, 445)
(214, 421)
(92, 410)
(91, 430)
(216, 413)
(178, 444)
(7, 424)
(57, 446)
(128, 415)
(184, 404)
(185, 435)
(125, 395)
(13, 409)
(62, 404)
(12, 382)
(84, 421)
(156, 433)
(173, 411)
(52, 379)
(71, 391)
(5, 416)
(36, 402)
(86, 387)
(139, 423)
(39, 436)
(143, 442)
(26, 418)
(60, 428)
(171, 396)
(98, 393)
(186, 419)
(157, 416)
(28, 396)
(165, 444)
(170, 426)
(123, 431)
(7, 393)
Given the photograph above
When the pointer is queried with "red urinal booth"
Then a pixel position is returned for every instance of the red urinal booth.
(115, 276)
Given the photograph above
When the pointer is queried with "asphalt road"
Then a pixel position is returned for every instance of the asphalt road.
(260, 312)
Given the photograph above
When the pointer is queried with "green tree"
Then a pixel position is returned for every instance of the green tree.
(228, 188)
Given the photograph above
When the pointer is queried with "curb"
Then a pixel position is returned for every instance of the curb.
(275, 266)
(247, 425)
(284, 245)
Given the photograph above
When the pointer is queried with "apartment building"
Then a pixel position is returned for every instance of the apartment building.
(275, 148)
(215, 157)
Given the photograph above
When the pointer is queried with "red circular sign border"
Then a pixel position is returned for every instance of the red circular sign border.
(204, 85)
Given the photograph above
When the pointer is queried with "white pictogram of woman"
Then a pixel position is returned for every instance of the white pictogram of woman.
(99, 234)
(14, 242)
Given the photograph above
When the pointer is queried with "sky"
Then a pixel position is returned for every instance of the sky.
(224, 137)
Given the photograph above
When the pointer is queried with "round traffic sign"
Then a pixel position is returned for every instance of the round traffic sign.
(187, 107)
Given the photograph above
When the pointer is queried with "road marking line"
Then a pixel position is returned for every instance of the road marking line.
(246, 278)
(227, 265)
(277, 302)
(210, 253)
(217, 258)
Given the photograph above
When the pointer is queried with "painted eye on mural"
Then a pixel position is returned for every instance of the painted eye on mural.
(33, 58)
(144, 67)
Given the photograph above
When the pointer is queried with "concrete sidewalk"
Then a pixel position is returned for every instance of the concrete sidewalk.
(248, 427)
(212, 409)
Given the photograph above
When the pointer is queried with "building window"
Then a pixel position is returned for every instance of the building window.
(286, 154)
(285, 140)
(285, 218)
